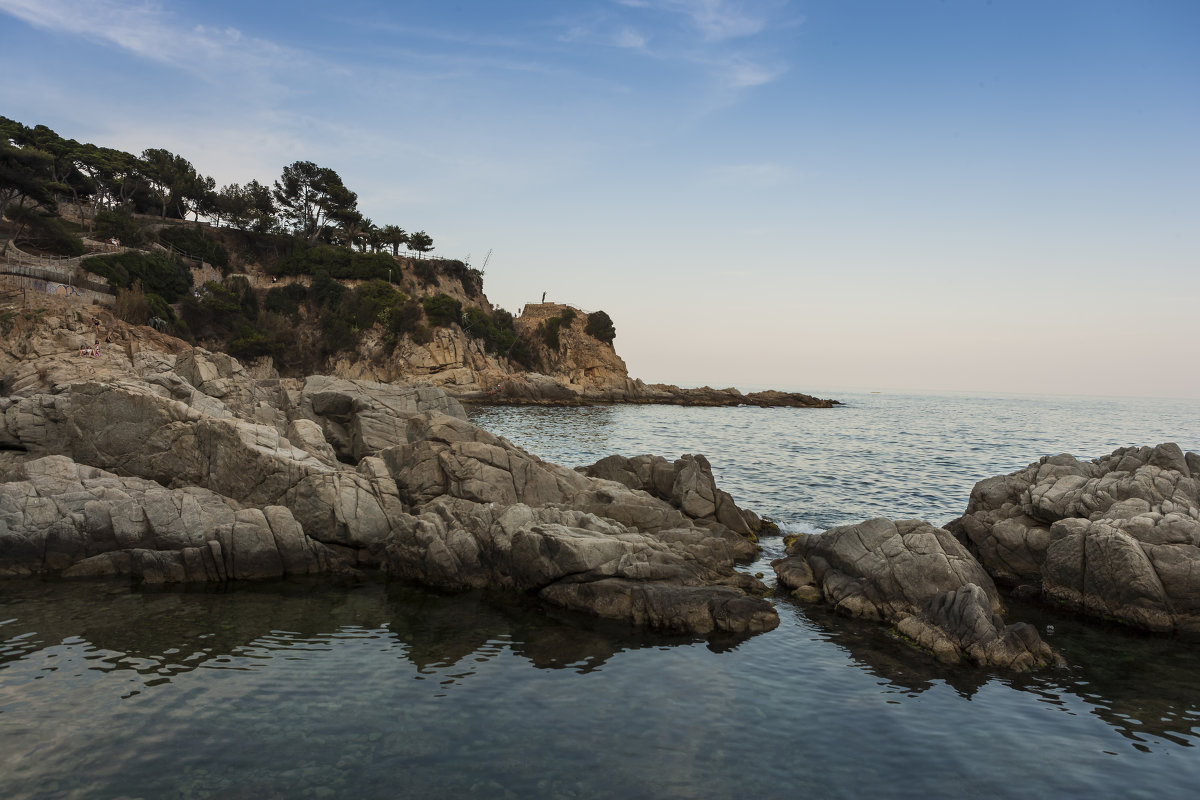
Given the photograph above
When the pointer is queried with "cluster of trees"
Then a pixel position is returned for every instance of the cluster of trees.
(598, 325)
(39, 169)
(330, 239)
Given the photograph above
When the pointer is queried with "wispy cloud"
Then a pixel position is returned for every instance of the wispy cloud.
(715, 19)
(630, 39)
(145, 29)
(727, 38)
(742, 73)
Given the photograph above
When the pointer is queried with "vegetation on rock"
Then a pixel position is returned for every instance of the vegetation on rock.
(600, 326)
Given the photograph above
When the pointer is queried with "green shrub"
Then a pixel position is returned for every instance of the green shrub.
(425, 271)
(195, 243)
(549, 331)
(160, 308)
(421, 335)
(47, 232)
(600, 326)
(470, 279)
(498, 333)
(286, 300)
(339, 262)
(159, 273)
(116, 225)
(249, 342)
(442, 310)
(325, 291)
(405, 319)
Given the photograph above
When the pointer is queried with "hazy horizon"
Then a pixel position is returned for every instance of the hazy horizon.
(969, 197)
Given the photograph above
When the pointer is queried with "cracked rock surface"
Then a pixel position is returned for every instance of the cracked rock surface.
(1117, 538)
(185, 468)
(920, 580)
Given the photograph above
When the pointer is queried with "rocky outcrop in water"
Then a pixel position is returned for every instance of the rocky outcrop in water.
(64, 518)
(580, 369)
(917, 578)
(687, 484)
(1117, 538)
(490, 514)
(184, 467)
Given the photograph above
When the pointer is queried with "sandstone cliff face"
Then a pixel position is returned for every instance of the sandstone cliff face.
(586, 365)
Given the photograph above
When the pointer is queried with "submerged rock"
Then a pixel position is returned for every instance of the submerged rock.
(917, 578)
(1117, 538)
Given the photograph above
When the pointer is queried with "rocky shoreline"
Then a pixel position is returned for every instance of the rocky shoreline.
(527, 390)
(166, 464)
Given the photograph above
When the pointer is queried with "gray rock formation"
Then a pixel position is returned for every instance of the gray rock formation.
(376, 476)
(687, 484)
(487, 513)
(1117, 538)
(359, 418)
(59, 517)
(919, 579)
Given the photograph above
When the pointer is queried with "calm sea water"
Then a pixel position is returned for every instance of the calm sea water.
(383, 691)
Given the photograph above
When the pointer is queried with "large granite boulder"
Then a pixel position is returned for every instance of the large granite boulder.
(133, 430)
(486, 513)
(581, 562)
(1117, 537)
(63, 518)
(423, 508)
(919, 579)
(688, 484)
(359, 418)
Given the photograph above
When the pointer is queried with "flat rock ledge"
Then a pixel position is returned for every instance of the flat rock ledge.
(186, 469)
(1117, 538)
(919, 579)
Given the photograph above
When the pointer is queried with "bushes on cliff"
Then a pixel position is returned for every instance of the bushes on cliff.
(286, 300)
(45, 231)
(600, 326)
(441, 310)
(195, 243)
(346, 313)
(549, 328)
(159, 273)
(405, 320)
(498, 334)
(425, 272)
(470, 279)
(339, 262)
(117, 225)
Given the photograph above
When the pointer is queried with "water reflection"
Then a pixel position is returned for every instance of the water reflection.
(1142, 686)
(163, 633)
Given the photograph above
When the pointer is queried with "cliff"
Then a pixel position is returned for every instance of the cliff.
(428, 321)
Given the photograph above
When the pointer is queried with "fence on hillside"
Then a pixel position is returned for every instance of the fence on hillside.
(12, 286)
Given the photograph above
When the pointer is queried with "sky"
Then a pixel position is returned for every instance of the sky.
(804, 194)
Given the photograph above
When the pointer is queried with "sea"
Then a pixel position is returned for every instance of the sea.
(383, 690)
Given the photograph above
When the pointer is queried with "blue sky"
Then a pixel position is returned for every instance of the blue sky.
(985, 196)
